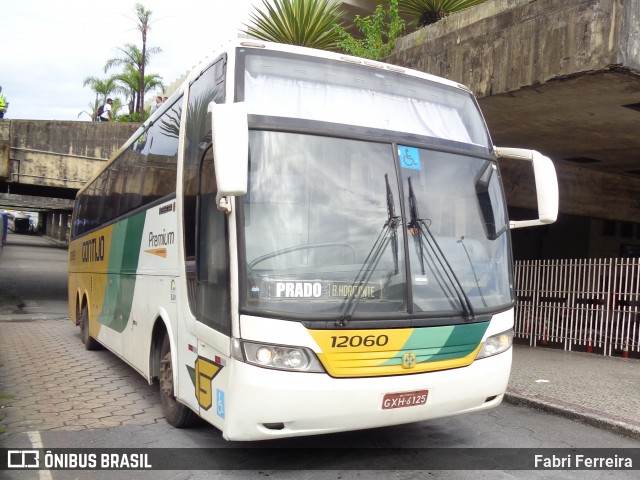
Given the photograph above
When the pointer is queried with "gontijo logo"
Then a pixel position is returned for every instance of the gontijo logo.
(93, 250)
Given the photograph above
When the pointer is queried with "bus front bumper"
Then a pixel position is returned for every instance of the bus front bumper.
(268, 404)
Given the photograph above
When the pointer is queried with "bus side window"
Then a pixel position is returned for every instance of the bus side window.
(210, 86)
(212, 297)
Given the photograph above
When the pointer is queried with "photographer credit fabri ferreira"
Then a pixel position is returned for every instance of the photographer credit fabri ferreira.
(579, 461)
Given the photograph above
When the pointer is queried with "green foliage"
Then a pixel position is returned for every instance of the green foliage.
(131, 55)
(380, 30)
(132, 81)
(116, 106)
(91, 112)
(103, 88)
(133, 61)
(4, 403)
(129, 84)
(129, 117)
(144, 25)
(307, 23)
(427, 12)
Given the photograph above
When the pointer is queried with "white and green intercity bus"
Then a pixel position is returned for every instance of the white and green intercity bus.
(301, 242)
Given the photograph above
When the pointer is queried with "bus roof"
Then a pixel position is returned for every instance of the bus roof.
(313, 52)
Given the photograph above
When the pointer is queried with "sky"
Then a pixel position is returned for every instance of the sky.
(50, 47)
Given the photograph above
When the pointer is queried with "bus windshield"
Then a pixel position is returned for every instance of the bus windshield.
(337, 227)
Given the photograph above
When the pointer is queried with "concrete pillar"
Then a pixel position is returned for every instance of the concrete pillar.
(55, 227)
(42, 222)
(49, 224)
(4, 148)
(64, 227)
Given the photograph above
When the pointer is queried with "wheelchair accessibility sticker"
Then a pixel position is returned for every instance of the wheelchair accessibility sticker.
(220, 403)
(409, 157)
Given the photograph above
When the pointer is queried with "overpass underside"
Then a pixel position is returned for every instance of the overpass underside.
(559, 77)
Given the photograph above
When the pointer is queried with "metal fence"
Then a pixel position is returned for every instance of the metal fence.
(587, 304)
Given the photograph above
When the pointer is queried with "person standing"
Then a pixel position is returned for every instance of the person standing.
(106, 114)
(3, 104)
(155, 106)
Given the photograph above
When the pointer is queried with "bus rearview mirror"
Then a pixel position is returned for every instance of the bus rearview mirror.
(546, 185)
(230, 134)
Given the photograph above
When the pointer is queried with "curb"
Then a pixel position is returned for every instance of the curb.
(53, 241)
(32, 317)
(575, 412)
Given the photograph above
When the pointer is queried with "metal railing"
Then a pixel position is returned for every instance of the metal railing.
(591, 304)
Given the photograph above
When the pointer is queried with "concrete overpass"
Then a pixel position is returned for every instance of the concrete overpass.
(44, 163)
(560, 77)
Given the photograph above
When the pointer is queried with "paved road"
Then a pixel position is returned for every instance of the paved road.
(68, 397)
(34, 278)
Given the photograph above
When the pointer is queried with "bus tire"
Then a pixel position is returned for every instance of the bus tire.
(89, 342)
(176, 414)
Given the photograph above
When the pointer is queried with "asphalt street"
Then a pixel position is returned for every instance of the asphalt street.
(56, 394)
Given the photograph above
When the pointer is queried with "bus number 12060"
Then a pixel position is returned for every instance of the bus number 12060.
(355, 341)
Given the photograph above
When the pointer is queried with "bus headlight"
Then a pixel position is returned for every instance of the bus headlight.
(280, 357)
(496, 344)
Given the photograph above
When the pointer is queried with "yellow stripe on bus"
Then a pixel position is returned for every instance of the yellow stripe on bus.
(365, 353)
(88, 266)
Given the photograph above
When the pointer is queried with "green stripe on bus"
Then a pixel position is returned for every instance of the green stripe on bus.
(121, 277)
(433, 344)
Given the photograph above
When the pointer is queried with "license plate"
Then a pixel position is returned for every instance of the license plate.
(405, 399)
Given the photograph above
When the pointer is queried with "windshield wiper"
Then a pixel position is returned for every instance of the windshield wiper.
(473, 270)
(418, 225)
(414, 227)
(387, 235)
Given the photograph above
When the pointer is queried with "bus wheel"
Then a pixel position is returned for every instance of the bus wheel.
(177, 414)
(89, 342)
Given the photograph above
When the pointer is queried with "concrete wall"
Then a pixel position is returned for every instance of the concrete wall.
(4, 149)
(62, 153)
(582, 192)
(503, 45)
(630, 54)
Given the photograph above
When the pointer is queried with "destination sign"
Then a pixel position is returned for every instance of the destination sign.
(317, 289)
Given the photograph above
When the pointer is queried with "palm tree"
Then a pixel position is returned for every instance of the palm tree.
(129, 85)
(103, 88)
(116, 106)
(91, 113)
(143, 18)
(133, 61)
(430, 11)
(307, 23)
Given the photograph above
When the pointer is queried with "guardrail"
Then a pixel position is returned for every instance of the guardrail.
(588, 304)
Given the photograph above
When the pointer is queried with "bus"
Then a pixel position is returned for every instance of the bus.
(301, 242)
(19, 222)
